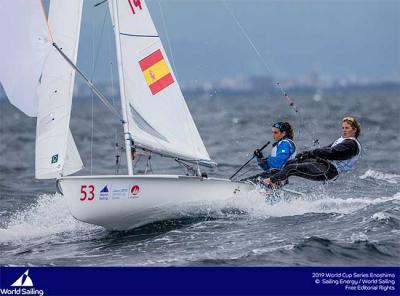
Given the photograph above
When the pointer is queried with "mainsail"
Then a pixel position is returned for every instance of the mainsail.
(24, 48)
(56, 152)
(157, 114)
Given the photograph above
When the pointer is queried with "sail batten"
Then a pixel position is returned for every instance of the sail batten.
(159, 118)
(137, 35)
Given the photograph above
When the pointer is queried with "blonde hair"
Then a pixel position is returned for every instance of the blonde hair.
(353, 123)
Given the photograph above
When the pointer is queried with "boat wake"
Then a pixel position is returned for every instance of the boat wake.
(48, 217)
(390, 178)
(255, 206)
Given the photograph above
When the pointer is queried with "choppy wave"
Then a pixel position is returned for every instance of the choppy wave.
(342, 253)
(49, 216)
(390, 178)
(49, 221)
(380, 216)
(385, 218)
(255, 205)
(311, 251)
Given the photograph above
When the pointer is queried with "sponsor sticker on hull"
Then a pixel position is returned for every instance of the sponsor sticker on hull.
(119, 192)
(135, 189)
(104, 193)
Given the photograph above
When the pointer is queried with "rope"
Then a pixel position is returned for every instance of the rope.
(98, 43)
(277, 83)
(47, 21)
(148, 165)
(187, 127)
(167, 37)
(92, 99)
(246, 35)
(239, 177)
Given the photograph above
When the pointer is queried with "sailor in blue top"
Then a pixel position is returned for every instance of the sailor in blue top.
(283, 150)
(328, 162)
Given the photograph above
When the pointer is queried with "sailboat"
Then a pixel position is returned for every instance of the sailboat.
(154, 114)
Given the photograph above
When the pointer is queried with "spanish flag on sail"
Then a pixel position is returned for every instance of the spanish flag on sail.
(156, 72)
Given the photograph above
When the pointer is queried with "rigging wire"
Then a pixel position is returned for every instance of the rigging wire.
(239, 176)
(187, 128)
(92, 98)
(246, 35)
(118, 148)
(94, 59)
(90, 84)
(97, 54)
(92, 134)
(277, 83)
(83, 76)
(167, 37)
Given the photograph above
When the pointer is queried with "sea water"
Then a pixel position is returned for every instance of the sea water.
(351, 221)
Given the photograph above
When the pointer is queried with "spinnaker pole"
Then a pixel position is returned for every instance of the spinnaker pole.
(89, 83)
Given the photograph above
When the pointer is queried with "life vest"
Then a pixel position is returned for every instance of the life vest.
(346, 164)
(292, 150)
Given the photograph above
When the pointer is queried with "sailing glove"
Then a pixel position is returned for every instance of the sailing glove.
(258, 153)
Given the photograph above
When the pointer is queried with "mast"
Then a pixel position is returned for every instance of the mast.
(127, 135)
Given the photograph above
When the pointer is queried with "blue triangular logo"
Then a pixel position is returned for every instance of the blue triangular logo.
(105, 189)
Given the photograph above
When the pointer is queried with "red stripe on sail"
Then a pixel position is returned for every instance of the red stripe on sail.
(151, 60)
(161, 83)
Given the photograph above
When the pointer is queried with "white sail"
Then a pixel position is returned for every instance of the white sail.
(73, 161)
(53, 138)
(157, 114)
(24, 48)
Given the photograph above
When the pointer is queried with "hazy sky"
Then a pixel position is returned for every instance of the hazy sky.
(337, 38)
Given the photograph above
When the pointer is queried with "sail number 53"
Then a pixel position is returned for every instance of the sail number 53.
(87, 192)
(135, 3)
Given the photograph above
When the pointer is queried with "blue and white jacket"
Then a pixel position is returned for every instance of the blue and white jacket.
(281, 152)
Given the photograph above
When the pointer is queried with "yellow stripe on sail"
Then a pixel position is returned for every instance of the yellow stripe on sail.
(156, 72)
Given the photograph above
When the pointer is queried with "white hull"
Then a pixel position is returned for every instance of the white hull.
(125, 202)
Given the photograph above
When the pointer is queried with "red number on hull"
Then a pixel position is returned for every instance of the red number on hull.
(85, 194)
(91, 192)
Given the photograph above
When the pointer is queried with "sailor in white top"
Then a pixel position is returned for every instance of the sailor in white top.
(328, 162)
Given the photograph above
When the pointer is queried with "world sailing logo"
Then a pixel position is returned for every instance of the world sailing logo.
(23, 281)
(104, 193)
(20, 286)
